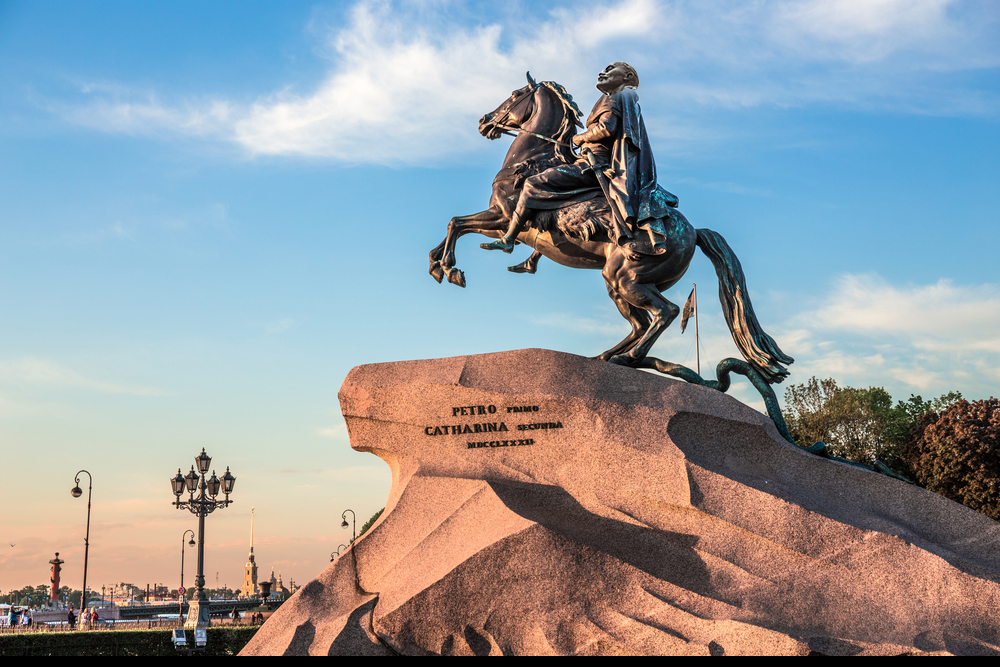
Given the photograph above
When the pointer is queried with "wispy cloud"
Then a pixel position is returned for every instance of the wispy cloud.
(338, 431)
(45, 373)
(612, 329)
(120, 110)
(942, 316)
(406, 82)
(279, 326)
(862, 31)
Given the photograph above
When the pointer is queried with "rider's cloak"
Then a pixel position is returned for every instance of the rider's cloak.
(617, 137)
(632, 174)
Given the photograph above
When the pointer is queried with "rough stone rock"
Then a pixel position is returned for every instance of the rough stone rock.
(657, 518)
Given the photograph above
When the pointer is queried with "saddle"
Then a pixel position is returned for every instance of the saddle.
(591, 221)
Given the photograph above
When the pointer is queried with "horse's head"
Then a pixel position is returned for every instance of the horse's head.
(540, 108)
(516, 110)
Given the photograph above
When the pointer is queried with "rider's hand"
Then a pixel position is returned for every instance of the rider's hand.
(578, 139)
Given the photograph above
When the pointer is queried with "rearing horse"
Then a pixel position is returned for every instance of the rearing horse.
(576, 236)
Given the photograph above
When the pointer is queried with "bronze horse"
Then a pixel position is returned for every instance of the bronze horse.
(546, 117)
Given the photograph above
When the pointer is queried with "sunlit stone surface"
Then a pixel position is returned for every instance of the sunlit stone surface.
(647, 516)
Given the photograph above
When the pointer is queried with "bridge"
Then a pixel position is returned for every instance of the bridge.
(217, 608)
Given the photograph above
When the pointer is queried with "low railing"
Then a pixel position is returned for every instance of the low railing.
(64, 626)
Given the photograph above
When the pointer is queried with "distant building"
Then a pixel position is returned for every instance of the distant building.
(277, 588)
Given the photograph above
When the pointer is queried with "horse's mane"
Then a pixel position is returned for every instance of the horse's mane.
(570, 121)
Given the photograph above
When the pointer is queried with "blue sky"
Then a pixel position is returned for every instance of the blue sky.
(212, 211)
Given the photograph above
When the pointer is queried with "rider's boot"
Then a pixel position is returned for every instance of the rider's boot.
(529, 265)
(506, 242)
(500, 244)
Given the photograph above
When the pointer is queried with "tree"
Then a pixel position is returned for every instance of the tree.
(957, 454)
(856, 424)
(860, 425)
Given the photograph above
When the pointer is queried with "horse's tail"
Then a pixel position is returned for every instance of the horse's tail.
(757, 347)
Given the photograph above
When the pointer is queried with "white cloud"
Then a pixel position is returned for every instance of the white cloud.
(931, 338)
(403, 91)
(406, 83)
(938, 316)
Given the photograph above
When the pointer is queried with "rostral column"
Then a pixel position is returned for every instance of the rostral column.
(56, 567)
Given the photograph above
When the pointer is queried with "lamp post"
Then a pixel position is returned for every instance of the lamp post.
(203, 504)
(76, 492)
(180, 607)
(354, 518)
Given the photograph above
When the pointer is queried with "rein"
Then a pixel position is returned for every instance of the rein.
(512, 131)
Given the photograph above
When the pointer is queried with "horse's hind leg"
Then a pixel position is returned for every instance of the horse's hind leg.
(620, 275)
(638, 318)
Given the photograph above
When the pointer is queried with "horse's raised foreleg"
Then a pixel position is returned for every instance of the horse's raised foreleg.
(436, 271)
(490, 222)
(620, 274)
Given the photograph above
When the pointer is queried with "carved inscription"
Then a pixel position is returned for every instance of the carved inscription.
(533, 427)
(500, 443)
(458, 429)
(484, 427)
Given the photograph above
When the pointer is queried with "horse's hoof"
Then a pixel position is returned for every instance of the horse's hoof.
(623, 360)
(455, 277)
(436, 271)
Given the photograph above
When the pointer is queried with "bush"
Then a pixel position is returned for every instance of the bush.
(223, 640)
(369, 523)
(957, 454)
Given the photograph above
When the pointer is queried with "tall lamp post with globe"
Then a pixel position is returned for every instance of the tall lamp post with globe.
(202, 504)
(181, 590)
(76, 492)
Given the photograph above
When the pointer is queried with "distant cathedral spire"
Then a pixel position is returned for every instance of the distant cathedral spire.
(249, 588)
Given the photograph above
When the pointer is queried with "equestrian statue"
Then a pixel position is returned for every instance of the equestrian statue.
(602, 208)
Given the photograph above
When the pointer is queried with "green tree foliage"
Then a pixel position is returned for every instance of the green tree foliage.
(38, 595)
(957, 454)
(856, 424)
(369, 523)
(860, 425)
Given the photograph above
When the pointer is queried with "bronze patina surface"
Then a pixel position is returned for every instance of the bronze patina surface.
(603, 209)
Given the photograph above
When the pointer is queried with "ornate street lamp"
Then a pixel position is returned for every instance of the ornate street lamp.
(354, 518)
(203, 504)
(76, 492)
